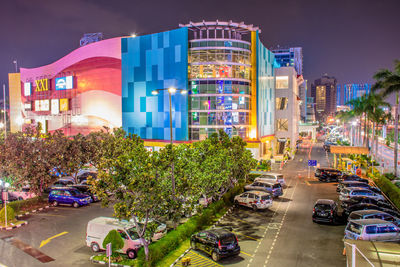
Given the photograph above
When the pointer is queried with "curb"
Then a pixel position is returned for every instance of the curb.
(32, 211)
(186, 251)
(104, 263)
(14, 226)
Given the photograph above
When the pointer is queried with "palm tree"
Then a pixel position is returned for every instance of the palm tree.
(359, 109)
(389, 82)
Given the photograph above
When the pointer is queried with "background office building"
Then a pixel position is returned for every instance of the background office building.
(323, 90)
(347, 92)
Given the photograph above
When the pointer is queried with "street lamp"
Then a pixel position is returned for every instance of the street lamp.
(171, 91)
(4, 195)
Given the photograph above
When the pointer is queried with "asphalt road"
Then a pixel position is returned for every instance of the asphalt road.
(67, 249)
(285, 235)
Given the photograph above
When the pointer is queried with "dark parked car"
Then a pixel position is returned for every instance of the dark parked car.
(219, 243)
(352, 177)
(357, 184)
(360, 206)
(68, 196)
(365, 200)
(325, 210)
(274, 188)
(84, 189)
(85, 175)
(327, 174)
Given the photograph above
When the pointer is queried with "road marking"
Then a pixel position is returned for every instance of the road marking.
(246, 254)
(37, 254)
(45, 214)
(245, 236)
(3, 265)
(308, 183)
(44, 242)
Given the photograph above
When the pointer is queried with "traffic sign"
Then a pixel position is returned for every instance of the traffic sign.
(312, 162)
(108, 250)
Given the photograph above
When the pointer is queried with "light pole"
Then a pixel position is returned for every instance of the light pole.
(4, 105)
(16, 65)
(4, 194)
(171, 91)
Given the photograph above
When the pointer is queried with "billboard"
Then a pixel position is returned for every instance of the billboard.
(64, 83)
(55, 106)
(64, 104)
(27, 89)
(42, 105)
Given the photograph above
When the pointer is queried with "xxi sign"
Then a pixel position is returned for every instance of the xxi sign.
(42, 85)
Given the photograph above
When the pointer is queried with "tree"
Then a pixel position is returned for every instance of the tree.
(116, 241)
(388, 82)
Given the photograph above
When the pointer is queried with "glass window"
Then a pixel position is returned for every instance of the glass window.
(282, 124)
(282, 82)
(281, 103)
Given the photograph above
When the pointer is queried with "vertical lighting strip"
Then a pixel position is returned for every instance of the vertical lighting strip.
(253, 113)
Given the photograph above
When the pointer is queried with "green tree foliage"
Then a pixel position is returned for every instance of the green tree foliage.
(115, 239)
(10, 215)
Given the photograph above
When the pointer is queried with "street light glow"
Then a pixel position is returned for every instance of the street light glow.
(354, 123)
(20, 121)
(154, 92)
(1, 125)
(133, 35)
(172, 90)
(184, 92)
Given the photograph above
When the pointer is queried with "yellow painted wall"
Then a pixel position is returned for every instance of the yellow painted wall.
(253, 113)
(14, 90)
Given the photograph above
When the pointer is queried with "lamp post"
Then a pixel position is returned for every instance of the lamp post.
(4, 105)
(4, 194)
(171, 91)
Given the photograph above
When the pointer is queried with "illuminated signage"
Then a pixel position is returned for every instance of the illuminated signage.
(64, 83)
(27, 89)
(28, 106)
(55, 106)
(42, 105)
(42, 85)
(64, 104)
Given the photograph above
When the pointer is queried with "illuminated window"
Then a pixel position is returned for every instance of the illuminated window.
(282, 124)
(282, 82)
(281, 103)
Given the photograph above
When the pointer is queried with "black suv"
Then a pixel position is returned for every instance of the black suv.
(325, 210)
(85, 190)
(359, 200)
(352, 177)
(219, 243)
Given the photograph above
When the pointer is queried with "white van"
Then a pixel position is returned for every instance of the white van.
(270, 176)
(372, 229)
(98, 229)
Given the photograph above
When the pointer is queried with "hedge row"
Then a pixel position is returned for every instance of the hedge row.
(25, 204)
(390, 190)
(172, 240)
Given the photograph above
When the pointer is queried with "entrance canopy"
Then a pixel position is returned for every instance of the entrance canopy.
(349, 150)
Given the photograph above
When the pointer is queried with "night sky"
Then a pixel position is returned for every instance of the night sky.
(348, 39)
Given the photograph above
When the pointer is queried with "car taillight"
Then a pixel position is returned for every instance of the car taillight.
(313, 210)
(219, 245)
(332, 212)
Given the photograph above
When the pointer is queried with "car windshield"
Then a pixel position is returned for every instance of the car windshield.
(354, 227)
(280, 176)
(345, 191)
(75, 192)
(276, 186)
(354, 216)
(132, 233)
(266, 197)
(228, 239)
(322, 207)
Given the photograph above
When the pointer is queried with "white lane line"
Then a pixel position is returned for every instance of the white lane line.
(283, 219)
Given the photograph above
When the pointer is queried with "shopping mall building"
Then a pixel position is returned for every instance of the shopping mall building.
(222, 73)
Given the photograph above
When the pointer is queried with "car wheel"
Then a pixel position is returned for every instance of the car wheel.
(75, 205)
(215, 256)
(193, 245)
(95, 247)
(55, 203)
(131, 254)
(254, 207)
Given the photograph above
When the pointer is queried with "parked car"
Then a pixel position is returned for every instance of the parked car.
(274, 188)
(254, 199)
(374, 214)
(219, 243)
(348, 193)
(372, 229)
(357, 184)
(160, 231)
(275, 177)
(84, 189)
(366, 200)
(98, 228)
(327, 174)
(68, 196)
(84, 175)
(11, 197)
(325, 210)
(23, 194)
(352, 177)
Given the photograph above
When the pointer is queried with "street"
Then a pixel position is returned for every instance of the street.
(285, 235)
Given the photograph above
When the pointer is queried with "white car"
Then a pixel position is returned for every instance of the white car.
(23, 194)
(160, 231)
(348, 193)
(276, 177)
(254, 199)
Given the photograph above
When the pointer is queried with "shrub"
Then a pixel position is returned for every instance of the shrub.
(390, 176)
(390, 190)
(10, 214)
(397, 184)
(115, 239)
(23, 204)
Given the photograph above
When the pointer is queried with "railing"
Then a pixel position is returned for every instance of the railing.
(354, 249)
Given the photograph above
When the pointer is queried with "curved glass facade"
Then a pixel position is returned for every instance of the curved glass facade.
(220, 86)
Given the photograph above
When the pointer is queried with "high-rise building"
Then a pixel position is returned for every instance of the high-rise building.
(290, 57)
(347, 92)
(324, 92)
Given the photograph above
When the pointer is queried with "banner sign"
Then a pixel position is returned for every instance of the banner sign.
(64, 83)
(64, 104)
(55, 106)
(42, 85)
(27, 89)
(312, 163)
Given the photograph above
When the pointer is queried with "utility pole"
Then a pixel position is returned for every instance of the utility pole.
(4, 105)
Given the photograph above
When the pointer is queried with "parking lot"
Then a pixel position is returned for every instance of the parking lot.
(284, 235)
